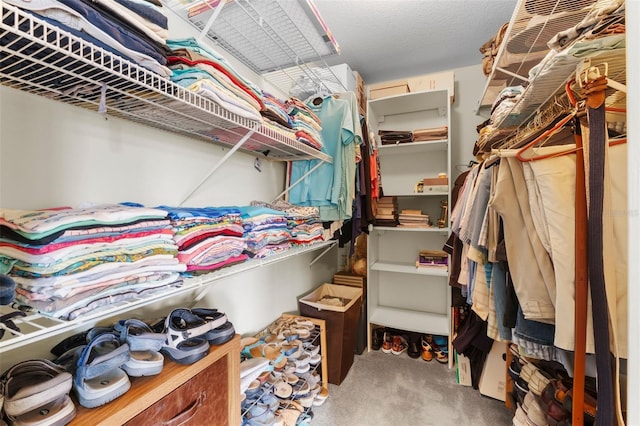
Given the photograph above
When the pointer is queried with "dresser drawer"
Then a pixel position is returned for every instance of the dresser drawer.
(197, 402)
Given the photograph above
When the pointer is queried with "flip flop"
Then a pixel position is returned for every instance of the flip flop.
(98, 377)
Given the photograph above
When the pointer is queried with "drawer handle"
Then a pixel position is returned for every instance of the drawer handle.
(187, 414)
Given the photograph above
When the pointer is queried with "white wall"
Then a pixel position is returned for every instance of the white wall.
(469, 84)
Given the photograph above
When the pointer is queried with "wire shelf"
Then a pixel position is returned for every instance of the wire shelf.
(282, 40)
(524, 46)
(40, 58)
(35, 326)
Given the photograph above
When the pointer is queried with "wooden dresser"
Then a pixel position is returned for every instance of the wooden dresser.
(206, 392)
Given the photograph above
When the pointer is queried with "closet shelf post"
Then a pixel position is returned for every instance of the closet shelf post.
(298, 181)
(221, 162)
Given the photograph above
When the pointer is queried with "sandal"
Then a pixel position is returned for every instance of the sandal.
(184, 343)
(139, 336)
(37, 391)
(221, 330)
(98, 377)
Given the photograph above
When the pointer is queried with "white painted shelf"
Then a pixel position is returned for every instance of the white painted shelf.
(403, 319)
(408, 268)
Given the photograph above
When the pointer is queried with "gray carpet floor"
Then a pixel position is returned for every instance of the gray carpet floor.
(385, 389)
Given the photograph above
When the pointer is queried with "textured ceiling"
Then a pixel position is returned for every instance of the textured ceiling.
(385, 40)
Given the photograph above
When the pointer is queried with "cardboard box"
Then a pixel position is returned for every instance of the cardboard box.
(435, 181)
(341, 325)
(463, 370)
(361, 94)
(493, 379)
(388, 88)
(437, 81)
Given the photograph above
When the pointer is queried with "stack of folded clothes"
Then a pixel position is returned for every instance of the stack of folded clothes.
(265, 231)
(392, 137)
(208, 238)
(303, 223)
(306, 123)
(134, 30)
(201, 70)
(275, 112)
(70, 261)
(430, 134)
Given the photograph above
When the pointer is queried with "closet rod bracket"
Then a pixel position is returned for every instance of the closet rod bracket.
(325, 251)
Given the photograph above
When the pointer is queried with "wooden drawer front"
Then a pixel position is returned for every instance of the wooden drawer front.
(197, 402)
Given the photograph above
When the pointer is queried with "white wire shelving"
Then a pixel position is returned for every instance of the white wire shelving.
(35, 326)
(524, 47)
(282, 40)
(40, 58)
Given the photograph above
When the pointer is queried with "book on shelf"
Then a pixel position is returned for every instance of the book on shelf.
(432, 259)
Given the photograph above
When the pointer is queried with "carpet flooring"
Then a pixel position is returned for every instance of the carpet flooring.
(385, 389)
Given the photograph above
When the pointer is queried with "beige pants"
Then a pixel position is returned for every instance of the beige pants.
(529, 262)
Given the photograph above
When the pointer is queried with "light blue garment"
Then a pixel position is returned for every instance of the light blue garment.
(322, 187)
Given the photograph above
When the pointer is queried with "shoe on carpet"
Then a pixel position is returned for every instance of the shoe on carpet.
(414, 346)
(399, 345)
(427, 350)
(439, 352)
(377, 336)
(387, 342)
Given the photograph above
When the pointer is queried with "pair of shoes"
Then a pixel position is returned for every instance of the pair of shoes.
(377, 336)
(387, 342)
(36, 393)
(414, 346)
(437, 348)
(399, 345)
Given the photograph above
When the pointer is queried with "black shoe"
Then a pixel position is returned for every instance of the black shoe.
(377, 335)
(414, 348)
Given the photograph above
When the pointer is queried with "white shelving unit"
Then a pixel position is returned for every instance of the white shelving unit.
(399, 294)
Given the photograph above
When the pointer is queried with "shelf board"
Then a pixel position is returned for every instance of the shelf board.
(414, 147)
(420, 322)
(408, 268)
(420, 194)
(410, 102)
(402, 229)
(43, 59)
(36, 326)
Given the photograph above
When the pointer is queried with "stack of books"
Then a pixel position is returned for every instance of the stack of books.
(432, 259)
(386, 213)
(413, 219)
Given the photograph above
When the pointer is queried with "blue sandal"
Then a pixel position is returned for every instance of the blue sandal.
(98, 377)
